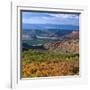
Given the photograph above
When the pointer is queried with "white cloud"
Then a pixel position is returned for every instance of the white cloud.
(64, 16)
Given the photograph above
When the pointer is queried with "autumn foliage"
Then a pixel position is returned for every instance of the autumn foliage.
(46, 69)
(44, 64)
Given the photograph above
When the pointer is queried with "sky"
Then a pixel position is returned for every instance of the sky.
(50, 18)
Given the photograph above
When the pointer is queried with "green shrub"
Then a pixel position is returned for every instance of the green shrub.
(40, 56)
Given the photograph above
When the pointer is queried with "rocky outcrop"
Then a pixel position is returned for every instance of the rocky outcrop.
(68, 46)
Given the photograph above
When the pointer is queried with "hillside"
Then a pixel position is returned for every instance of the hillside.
(73, 35)
(66, 46)
(50, 34)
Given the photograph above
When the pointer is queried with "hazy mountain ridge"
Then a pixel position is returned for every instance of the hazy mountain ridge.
(49, 34)
(50, 26)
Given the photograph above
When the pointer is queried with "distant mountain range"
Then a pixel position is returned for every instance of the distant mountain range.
(49, 26)
(64, 38)
(49, 34)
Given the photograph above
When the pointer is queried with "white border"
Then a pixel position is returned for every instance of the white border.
(51, 81)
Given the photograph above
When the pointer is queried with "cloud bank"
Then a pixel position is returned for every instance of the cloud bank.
(50, 18)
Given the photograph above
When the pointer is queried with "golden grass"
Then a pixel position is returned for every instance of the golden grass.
(50, 68)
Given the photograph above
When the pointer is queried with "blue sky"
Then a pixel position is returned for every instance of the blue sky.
(50, 18)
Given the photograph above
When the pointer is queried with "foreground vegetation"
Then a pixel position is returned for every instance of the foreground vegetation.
(46, 63)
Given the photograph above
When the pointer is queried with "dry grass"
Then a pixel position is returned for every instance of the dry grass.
(50, 68)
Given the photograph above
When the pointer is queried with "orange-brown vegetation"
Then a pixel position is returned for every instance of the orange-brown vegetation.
(50, 68)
